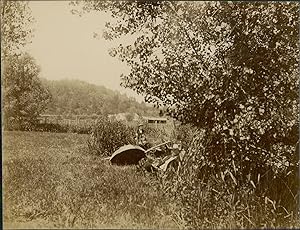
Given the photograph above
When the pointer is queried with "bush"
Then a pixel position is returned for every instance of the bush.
(56, 128)
(80, 129)
(211, 197)
(108, 135)
(161, 133)
(50, 127)
(184, 134)
(155, 135)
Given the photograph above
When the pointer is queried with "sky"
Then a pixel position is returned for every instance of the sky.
(64, 46)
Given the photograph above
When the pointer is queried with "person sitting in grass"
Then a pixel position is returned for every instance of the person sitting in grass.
(140, 137)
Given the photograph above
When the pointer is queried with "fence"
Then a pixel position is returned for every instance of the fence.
(75, 120)
(88, 120)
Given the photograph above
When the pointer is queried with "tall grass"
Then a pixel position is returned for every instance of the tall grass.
(52, 177)
(212, 199)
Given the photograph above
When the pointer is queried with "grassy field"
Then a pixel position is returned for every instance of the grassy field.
(51, 181)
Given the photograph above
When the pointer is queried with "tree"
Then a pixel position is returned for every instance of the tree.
(24, 96)
(15, 26)
(74, 96)
(230, 69)
(225, 67)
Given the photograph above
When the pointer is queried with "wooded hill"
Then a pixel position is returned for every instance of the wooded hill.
(79, 97)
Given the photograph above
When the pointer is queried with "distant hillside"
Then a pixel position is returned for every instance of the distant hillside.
(79, 97)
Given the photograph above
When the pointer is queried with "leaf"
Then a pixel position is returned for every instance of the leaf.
(268, 200)
(232, 177)
(234, 168)
(252, 183)
(222, 176)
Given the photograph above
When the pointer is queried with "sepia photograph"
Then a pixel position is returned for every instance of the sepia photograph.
(150, 114)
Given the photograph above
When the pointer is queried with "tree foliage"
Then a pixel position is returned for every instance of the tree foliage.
(79, 97)
(15, 25)
(24, 95)
(229, 68)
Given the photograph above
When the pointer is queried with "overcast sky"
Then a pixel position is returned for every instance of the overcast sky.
(64, 46)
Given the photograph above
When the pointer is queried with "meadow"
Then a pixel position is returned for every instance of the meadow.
(61, 180)
(51, 181)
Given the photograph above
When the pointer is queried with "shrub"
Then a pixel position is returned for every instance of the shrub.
(80, 129)
(56, 128)
(214, 197)
(184, 134)
(155, 135)
(108, 135)
(59, 128)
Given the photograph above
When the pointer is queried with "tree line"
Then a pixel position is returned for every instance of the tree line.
(26, 96)
(78, 97)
